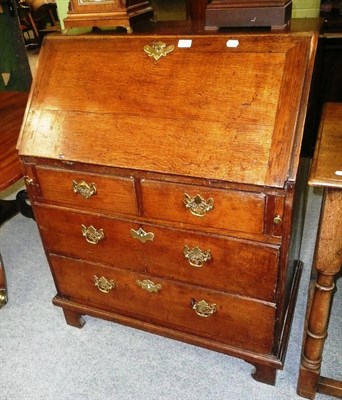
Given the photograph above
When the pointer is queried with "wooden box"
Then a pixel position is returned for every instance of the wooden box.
(240, 13)
(107, 13)
(162, 174)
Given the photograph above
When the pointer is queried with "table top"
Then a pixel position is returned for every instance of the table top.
(326, 169)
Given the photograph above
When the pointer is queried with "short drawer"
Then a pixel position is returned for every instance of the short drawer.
(95, 192)
(236, 266)
(210, 314)
(233, 211)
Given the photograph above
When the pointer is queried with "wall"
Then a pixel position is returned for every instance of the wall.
(305, 8)
(62, 6)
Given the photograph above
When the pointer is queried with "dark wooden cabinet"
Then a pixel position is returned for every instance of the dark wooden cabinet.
(162, 173)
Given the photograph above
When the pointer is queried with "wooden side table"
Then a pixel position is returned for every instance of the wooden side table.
(326, 172)
(15, 83)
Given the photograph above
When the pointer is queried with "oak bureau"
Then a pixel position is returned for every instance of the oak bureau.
(162, 173)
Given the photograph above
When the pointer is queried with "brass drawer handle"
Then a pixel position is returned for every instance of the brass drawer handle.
(148, 285)
(104, 285)
(196, 257)
(84, 189)
(141, 235)
(197, 205)
(203, 309)
(92, 235)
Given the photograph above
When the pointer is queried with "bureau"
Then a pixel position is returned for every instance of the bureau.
(162, 172)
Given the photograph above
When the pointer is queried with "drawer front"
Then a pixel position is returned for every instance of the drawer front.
(226, 319)
(95, 192)
(200, 206)
(236, 266)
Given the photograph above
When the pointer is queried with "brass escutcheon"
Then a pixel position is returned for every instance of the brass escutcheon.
(148, 285)
(196, 257)
(197, 205)
(203, 309)
(141, 235)
(86, 190)
(103, 284)
(158, 50)
(92, 235)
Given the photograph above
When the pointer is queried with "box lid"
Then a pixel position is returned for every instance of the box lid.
(247, 3)
(219, 106)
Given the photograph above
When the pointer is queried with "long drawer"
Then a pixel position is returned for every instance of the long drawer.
(232, 320)
(242, 267)
(91, 191)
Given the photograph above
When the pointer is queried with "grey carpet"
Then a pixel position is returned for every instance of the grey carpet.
(42, 358)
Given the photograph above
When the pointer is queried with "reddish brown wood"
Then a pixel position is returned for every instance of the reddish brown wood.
(12, 107)
(234, 314)
(196, 9)
(111, 193)
(229, 134)
(328, 256)
(149, 132)
(73, 318)
(166, 201)
(328, 263)
(243, 260)
(107, 14)
(265, 374)
(3, 286)
(327, 157)
(330, 387)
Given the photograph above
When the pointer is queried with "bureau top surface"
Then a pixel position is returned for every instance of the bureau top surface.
(222, 107)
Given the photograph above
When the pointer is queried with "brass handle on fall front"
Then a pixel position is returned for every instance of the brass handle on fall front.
(92, 235)
(197, 205)
(103, 284)
(141, 235)
(196, 257)
(158, 49)
(203, 309)
(86, 190)
(148, 285)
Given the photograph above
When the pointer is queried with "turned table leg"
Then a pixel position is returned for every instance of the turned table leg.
(316, 334)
